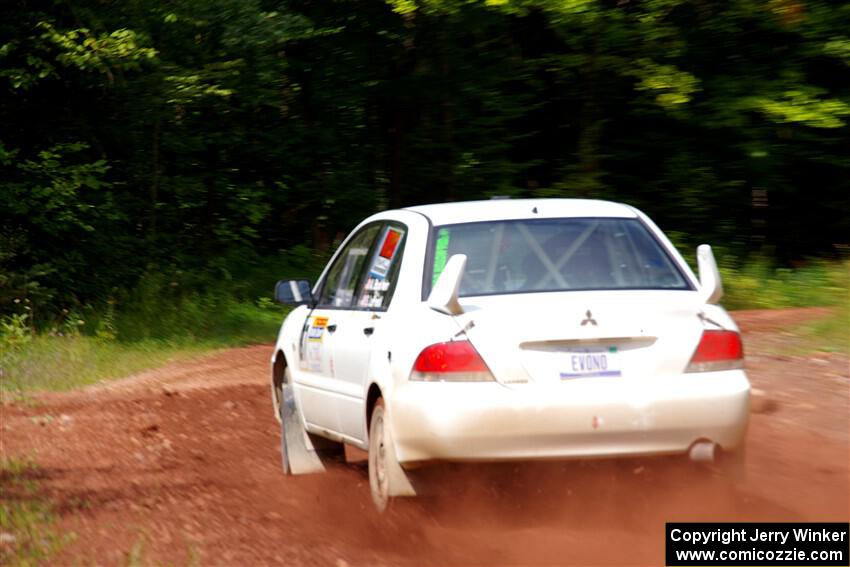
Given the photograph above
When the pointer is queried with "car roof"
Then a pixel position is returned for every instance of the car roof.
(508, 209)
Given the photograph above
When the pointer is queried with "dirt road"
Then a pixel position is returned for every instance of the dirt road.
(181, 466)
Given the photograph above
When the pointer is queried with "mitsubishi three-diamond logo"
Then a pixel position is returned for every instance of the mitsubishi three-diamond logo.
(589, 319)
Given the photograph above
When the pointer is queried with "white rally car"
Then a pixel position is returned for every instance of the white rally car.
(507, 330)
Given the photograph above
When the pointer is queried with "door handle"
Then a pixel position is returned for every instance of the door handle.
(368, 331)
(332, 328)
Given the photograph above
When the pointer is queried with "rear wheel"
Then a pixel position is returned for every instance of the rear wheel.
(379, 480)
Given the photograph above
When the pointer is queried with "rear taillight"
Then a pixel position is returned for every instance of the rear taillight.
(717, 350)
(455, 361)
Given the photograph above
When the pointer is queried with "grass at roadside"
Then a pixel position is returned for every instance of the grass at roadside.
(69, 358)
(759, 285)
(63, 363)
(27, 534)
(830, 334)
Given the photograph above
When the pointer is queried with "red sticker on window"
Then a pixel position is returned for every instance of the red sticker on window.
(390, 244)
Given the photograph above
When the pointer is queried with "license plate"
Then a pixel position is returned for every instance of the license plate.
(591, 362)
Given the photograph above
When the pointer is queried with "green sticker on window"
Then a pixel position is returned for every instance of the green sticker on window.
(441, 252)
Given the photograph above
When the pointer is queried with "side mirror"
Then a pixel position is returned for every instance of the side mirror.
(711, 288)
(443, 296)
(293, 292)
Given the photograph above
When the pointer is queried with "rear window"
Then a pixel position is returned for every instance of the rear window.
(522, 256)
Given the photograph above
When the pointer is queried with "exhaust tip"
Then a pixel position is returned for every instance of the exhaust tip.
(703, 452)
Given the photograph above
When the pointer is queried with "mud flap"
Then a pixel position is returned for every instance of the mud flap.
(297, 451)
(400, 483)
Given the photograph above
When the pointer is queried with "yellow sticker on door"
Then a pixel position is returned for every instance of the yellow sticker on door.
(317, 329)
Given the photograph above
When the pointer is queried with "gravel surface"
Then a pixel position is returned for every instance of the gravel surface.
(182, 463)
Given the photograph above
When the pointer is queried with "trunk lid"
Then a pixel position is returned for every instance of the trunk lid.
(549, 338)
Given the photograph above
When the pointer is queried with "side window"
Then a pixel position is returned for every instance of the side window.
(344, 275)
(381, 276)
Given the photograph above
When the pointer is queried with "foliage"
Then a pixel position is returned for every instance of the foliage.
(211, 138)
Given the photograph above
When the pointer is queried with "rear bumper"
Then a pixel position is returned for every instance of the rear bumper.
(577, 419)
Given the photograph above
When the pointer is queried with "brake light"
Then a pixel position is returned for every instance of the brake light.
(717, 350)
(455, 361)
